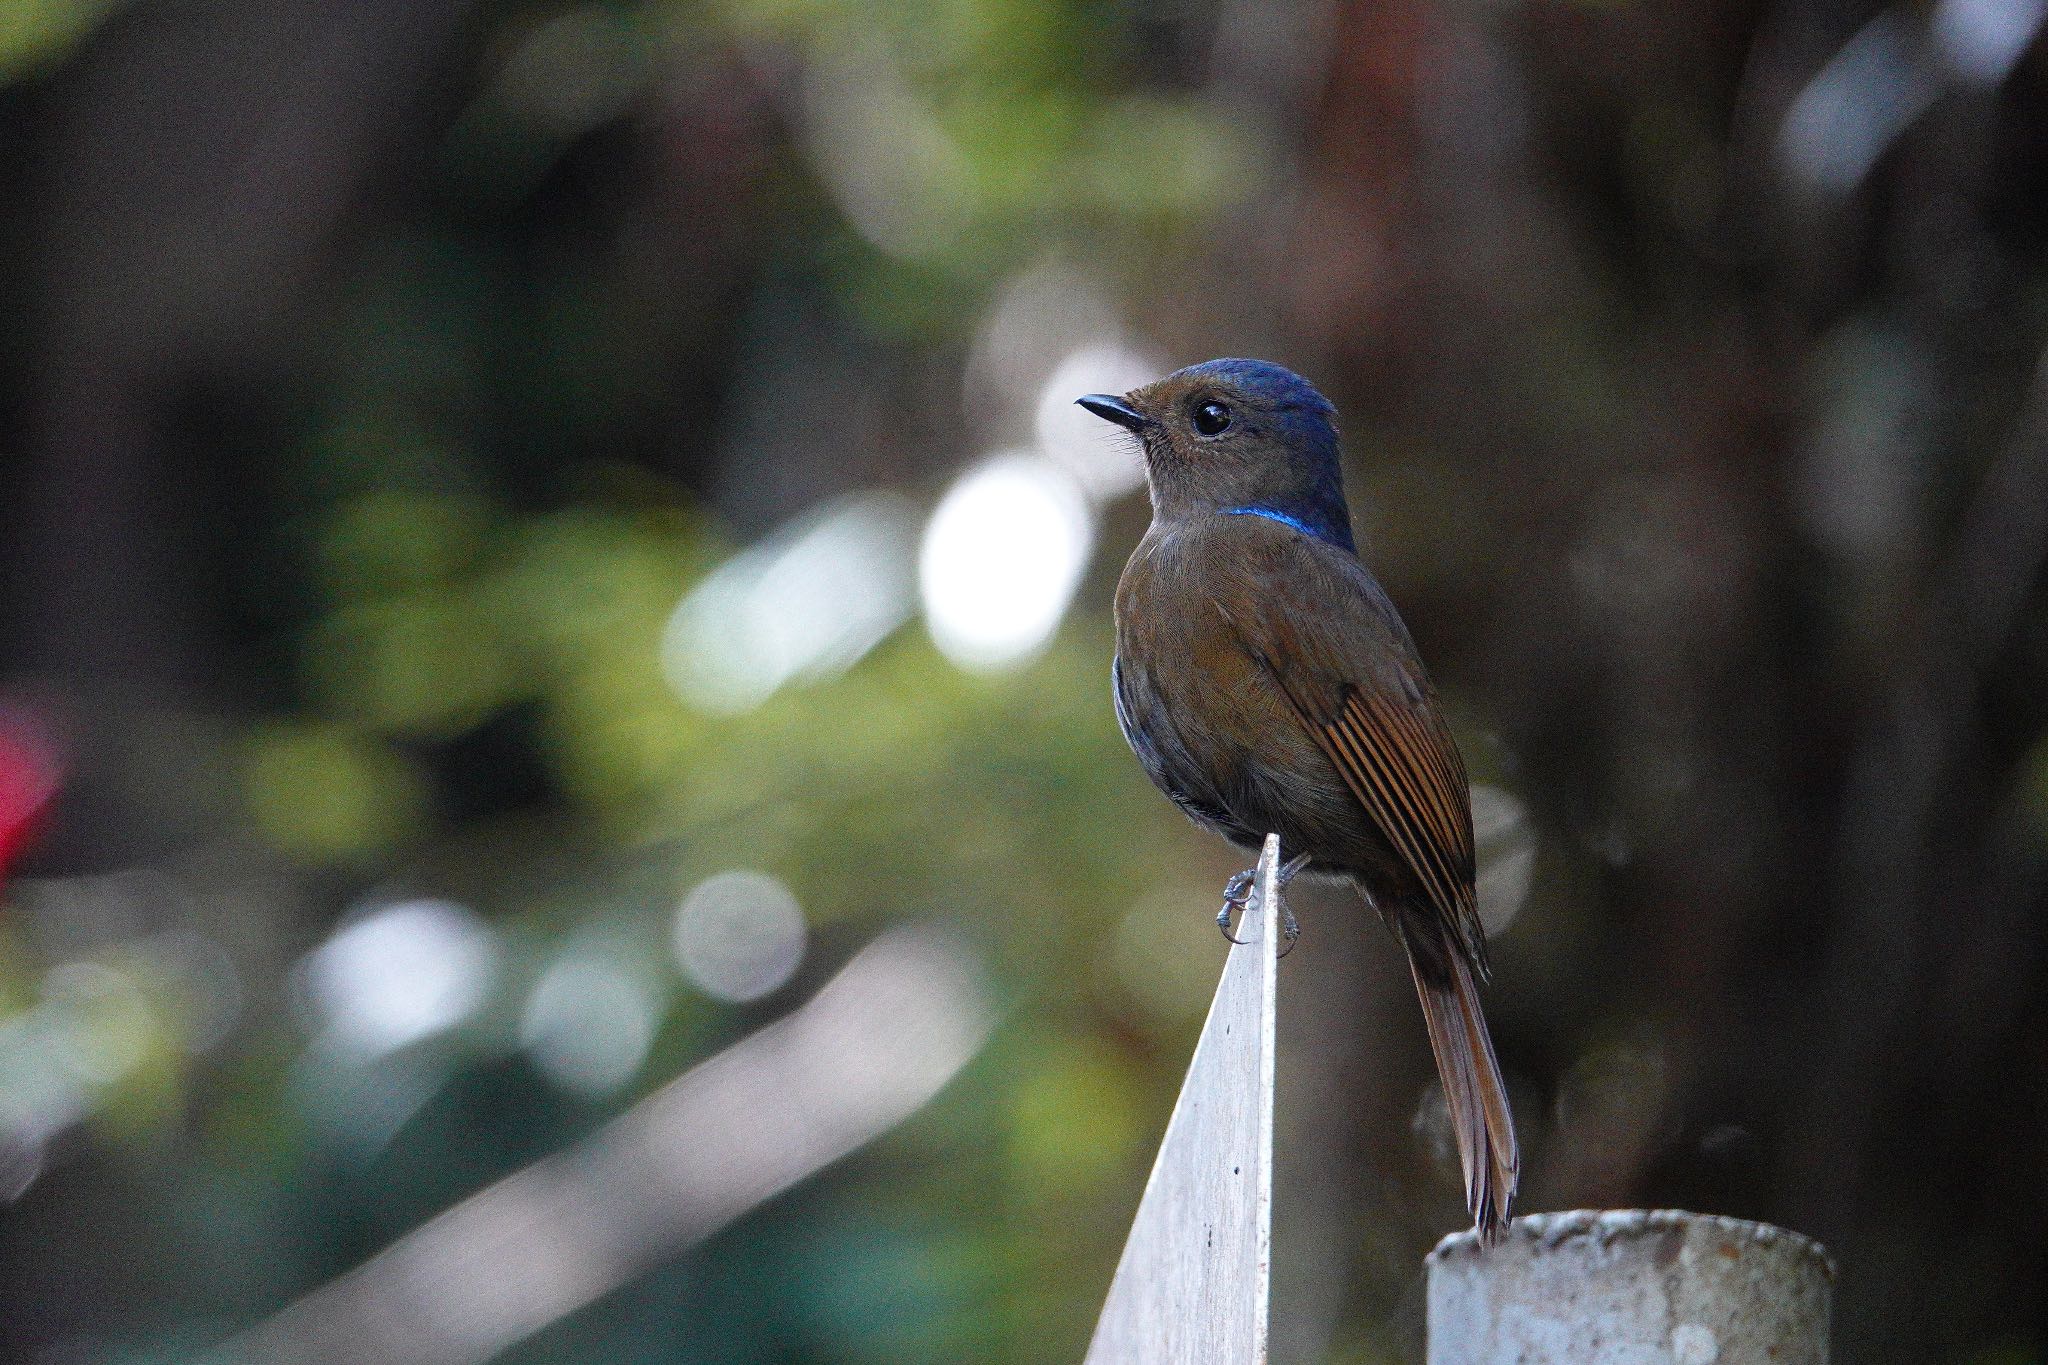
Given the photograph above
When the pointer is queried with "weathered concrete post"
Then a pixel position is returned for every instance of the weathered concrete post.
(1630, 1287)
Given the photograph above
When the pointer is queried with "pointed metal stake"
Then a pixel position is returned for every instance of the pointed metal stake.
(1195, 1278)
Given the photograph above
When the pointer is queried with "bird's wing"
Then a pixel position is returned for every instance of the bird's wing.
(1331, 641)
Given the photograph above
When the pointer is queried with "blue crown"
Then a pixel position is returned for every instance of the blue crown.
(1262, 379)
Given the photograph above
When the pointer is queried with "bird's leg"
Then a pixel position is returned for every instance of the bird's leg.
(1290, 867)
(1290, 928)
(1237, 893)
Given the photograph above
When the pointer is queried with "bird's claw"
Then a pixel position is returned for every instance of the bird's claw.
(1290, 931)
(1237, 893)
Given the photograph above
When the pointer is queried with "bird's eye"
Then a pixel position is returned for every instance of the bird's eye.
(1212, 418)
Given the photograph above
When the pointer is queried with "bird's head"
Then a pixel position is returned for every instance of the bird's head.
(1236, 435)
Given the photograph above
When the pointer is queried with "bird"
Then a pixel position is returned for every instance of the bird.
(1266, 683)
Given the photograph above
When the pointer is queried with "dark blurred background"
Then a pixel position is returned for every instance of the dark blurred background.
(534, 531)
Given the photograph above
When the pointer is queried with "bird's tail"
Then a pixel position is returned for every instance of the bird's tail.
(1473, 1093)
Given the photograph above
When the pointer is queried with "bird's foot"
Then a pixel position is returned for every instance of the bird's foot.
(1237, 893)
(1290, 927)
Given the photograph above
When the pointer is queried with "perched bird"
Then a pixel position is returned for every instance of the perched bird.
(1266, 683)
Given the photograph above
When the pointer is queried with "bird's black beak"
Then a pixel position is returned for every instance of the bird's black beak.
(1110, 408)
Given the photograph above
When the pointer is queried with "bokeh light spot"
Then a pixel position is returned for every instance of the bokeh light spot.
(807, 603)
(1002, 555)
(1984, 39)
(1106, 462)
(588, 1023)
(739, 935)
(1507, 856)
(401, 973)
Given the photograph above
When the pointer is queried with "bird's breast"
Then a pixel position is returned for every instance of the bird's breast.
(1207, 721)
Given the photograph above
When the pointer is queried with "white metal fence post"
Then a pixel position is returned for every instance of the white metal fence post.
(1193, 1285)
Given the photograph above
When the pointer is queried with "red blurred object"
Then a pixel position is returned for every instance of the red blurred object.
(30, 770)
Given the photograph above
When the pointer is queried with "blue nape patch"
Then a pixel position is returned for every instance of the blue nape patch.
(1338, 535)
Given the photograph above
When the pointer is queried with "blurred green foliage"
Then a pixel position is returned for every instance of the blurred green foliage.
(35, 32)
(457, 585)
